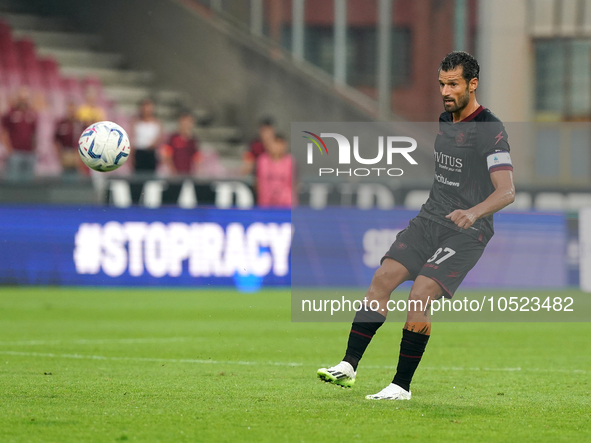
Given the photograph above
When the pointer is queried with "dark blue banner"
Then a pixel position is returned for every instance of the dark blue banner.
(343, 247)
(250, 248)
(135, 246)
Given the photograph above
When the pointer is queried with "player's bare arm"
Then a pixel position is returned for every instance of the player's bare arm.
(503, 195)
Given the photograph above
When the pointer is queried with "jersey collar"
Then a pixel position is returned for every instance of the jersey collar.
(473, 115)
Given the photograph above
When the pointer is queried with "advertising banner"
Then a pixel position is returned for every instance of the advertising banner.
(137, 246)
(250, 248)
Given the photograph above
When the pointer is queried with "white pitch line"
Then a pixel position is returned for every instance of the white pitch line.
(96, 341)
(460, 368)
(268, 363)
(145, 359)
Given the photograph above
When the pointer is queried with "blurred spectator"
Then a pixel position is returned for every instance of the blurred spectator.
(181, 153)
(3, 152)
(274, 176)
(67, 133)
(259, 145)
(90, 111)
(19, 128)
(146, 137)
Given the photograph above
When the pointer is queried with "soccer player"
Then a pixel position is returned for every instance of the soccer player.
(473, 180)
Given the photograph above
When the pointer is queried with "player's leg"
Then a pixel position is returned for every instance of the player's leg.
(440, 276)
(415, 336)
(366, 322)
(402, 262)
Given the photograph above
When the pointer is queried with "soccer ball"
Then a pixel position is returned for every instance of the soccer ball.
(104, 146)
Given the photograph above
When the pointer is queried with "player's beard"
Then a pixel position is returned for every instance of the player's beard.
(458, 104)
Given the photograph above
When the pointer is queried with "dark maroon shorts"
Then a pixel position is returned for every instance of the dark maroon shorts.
(431, 249)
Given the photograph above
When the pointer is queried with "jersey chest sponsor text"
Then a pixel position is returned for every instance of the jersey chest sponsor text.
(454, 150)
(451, 161)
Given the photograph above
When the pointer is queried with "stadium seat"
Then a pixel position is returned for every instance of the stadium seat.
(30, 70)
(71, 86)
(50, 71)
(25, 48)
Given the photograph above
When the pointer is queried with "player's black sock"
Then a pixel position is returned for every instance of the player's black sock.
(412, 347)
(365, 325)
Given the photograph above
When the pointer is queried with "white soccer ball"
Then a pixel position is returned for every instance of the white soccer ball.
(104, 146)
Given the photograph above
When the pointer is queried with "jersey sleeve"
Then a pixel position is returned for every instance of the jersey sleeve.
(494, 146)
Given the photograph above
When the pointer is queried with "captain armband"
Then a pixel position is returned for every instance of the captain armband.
(499, 161)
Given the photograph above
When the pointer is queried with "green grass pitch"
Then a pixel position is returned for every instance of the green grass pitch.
(83, 365)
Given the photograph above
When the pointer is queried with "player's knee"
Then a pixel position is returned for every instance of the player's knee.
(385, 278)
(421, 294)
(388, 277)
(380, 278)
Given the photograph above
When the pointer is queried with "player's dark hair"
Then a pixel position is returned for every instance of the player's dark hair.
(470, 67)
(266, 121)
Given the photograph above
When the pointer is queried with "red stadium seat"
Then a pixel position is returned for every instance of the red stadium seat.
(5, 27)
(25, 48)
(71, 86)
(93, 82)
(50, 71)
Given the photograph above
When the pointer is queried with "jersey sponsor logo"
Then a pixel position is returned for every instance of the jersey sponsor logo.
(448, 160)
(401, 246)
(444, 181)
(499, 137)
(461, 138)
(453, 274)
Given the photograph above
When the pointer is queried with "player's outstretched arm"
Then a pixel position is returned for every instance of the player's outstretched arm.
(503, 195)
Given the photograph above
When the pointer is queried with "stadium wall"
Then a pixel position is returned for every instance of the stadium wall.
(220, 67)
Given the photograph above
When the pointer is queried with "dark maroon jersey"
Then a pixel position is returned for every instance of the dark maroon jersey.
(466, 153)
(21, 126)
(183, 152)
